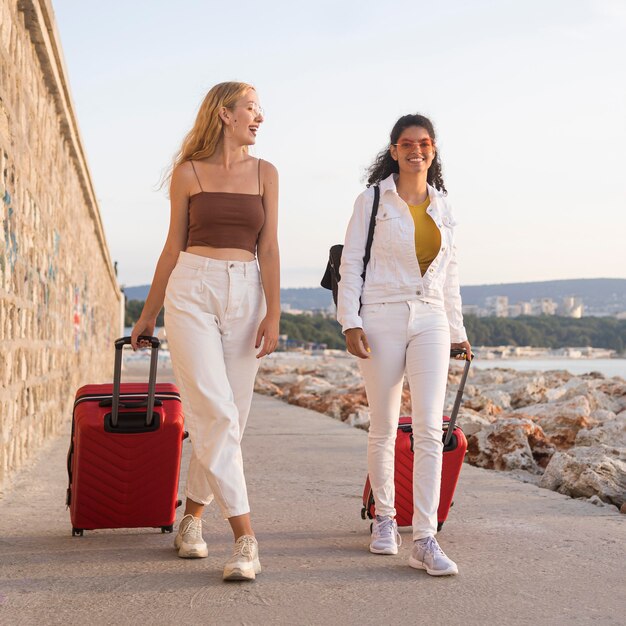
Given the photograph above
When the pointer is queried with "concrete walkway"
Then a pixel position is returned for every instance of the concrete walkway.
(526, 555)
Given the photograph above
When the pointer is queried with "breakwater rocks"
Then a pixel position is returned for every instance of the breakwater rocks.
(563, 432)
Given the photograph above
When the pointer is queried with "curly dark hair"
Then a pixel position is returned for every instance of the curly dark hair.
(385, 165)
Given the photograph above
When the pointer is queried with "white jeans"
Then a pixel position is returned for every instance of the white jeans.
(212, 312)
(411, 337)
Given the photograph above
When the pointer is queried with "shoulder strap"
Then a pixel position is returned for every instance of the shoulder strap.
(259, 174)
(370, 232)
(196, 173)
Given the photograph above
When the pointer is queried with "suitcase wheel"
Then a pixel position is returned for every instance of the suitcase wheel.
(439, 526)
(77, 532)
(363, 513)
(167, 529)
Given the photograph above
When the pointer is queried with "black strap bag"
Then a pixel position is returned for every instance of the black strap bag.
(331, 275)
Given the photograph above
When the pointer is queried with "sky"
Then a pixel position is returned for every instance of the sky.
(528, 99)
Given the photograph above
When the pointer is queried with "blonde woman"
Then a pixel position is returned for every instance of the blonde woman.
(222, 310)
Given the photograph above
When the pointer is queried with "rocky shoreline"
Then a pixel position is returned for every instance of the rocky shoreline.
(562, 432)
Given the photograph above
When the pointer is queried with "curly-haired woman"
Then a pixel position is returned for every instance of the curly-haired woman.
(219, 308)
(402, 319)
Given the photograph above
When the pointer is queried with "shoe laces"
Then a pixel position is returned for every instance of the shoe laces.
(384, 527)
(194, 528)
(244, 546)
(431, 545)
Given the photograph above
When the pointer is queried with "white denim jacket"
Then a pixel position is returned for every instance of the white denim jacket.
(393, 273)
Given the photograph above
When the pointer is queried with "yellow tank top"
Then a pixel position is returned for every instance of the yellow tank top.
(427, 235)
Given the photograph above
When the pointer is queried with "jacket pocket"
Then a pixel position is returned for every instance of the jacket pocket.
(388, 228)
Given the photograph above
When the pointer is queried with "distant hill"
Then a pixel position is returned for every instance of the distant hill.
(140, 292)
(598, 294)
(306, 298)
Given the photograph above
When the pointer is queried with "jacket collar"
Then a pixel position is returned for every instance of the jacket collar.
(388, 185)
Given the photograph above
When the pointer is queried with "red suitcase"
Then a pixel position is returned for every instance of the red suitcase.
(455, 446)
(125, 449)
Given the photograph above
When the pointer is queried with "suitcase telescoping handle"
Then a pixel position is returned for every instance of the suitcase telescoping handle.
(459, 394)
(117, 376)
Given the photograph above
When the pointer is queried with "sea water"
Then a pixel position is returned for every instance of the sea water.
(608, 367)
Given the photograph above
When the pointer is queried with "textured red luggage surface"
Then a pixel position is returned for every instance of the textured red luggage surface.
(123, 467)
(453, 456)
(125, 479)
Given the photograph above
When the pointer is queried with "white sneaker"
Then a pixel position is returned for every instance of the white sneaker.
(244, 564)
(385, 536)
(189, 541)
(427, 554)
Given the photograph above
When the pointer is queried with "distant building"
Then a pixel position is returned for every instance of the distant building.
(497, 305)
(571, 306)
(543, 306)
(526, 308)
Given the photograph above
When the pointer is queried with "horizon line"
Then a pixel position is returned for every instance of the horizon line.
(528, 282)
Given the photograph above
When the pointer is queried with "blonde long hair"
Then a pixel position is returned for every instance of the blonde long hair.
(202, 140)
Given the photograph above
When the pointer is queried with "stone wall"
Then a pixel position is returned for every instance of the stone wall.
(60, 304)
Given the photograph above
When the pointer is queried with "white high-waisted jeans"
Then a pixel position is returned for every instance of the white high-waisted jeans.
(411, 337)
(212, 313)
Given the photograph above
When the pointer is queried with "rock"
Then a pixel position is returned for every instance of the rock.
(483, 404)
(586, 471)
(485, 377)
(500, 398)
(622, 509)
(510, 444)
(611, 433)
(306, 401)
(282, 378)
(261, 385)
(601, 394)
(600, 400)
(596, 500)
(524, 392)
(573, 387)
(311, 385)
(616, 389)
(360, 419)
(561, 421)
(339, 406)
(593, 376)
(576, 407)
(602, 415)
(471, 422)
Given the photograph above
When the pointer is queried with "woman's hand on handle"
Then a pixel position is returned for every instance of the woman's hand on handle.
(142, 327)
(463, 345)
(356, 343)
(268, 334)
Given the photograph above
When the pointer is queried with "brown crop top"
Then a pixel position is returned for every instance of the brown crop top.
(223, 219)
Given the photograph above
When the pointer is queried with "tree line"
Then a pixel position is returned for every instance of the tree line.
(547, 331)
(133, 310)
(540, 332)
